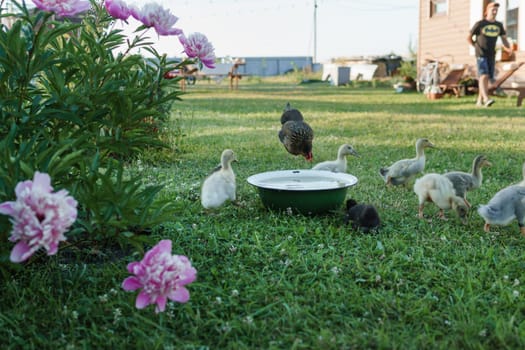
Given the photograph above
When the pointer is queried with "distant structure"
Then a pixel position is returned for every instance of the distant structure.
(271, 66)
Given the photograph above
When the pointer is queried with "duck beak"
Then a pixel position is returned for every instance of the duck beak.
(309, 157)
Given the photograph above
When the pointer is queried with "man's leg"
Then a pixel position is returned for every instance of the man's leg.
(483, 97)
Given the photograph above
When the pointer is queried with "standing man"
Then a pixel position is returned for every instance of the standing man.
(483, 37)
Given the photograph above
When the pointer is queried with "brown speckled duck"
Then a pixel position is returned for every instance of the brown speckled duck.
(295, 134)
(464, 182)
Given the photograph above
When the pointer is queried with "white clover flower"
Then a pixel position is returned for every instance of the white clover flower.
(335, 270)
(248, 320)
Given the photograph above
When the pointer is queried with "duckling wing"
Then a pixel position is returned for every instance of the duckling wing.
(329, 165)
(462, 182)
(402, 170)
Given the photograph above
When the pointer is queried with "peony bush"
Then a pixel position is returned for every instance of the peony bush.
(77, 105)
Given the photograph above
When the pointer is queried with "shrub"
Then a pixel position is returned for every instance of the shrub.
(78, 104)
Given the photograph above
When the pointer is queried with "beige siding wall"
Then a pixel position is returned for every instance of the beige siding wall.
(445, 36)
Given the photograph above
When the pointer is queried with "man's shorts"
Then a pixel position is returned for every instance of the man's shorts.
(486, 66)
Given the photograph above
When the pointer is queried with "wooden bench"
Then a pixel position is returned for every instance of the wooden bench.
(520, 88)
(515, 86)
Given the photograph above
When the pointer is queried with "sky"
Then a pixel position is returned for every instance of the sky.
(248, 28)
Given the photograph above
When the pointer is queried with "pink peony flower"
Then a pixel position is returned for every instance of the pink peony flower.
(40, 217)
(154, 15)
(118, 9)
(161, 276)
(196, 45)
(65, 8)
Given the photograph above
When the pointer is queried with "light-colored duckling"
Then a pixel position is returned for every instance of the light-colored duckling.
(219, 186)
(464, 182)
(402, 171)
(338, 165)
(506, 205)
(438, 189)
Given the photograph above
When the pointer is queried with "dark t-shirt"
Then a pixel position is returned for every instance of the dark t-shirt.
(486, 33)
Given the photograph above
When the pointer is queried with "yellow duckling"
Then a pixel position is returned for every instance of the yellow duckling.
(403, 170)
(438, 189)
(220, 186)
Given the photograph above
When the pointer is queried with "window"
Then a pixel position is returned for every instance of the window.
(512, 19)
(438, 8)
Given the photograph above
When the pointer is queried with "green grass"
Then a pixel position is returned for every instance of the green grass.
(270, 280)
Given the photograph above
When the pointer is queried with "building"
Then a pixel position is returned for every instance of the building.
(271, 66)
(444, 26)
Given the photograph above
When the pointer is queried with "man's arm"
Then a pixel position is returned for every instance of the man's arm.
(506, 45)
(470, 40)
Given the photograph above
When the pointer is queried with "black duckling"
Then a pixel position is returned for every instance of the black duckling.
(362, 216)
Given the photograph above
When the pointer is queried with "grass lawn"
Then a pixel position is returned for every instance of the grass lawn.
(272, 280)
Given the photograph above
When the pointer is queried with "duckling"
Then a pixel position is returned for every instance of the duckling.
(363, 216)
(338, 165)
(439, 189)
(506, 205)
(295, 134)
(219, 186)
(402, 171)
(464, 182)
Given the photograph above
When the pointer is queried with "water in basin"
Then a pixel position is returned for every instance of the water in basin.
(303, 183)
